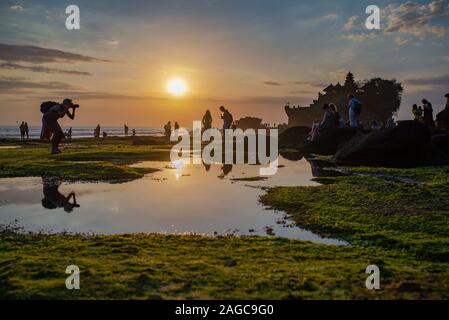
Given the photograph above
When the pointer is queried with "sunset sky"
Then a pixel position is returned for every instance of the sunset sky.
(249, 55)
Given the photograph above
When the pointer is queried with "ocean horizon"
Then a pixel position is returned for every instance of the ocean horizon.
(8, 131)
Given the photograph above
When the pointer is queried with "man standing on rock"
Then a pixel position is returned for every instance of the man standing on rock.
(355, 108)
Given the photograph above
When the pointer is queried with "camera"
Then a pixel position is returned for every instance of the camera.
(75, 106)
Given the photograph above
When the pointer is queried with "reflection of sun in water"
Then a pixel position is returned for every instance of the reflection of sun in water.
(177, 87)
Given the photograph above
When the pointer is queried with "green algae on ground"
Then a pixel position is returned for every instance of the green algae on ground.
(82, 160)
(198, 267)
(406, 210)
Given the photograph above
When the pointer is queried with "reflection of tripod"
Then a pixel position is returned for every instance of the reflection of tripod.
(54, 199)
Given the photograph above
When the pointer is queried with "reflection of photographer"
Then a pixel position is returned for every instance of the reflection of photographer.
(54, 199)
(52, 113)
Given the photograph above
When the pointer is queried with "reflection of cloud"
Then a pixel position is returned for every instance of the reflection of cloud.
(435, 81)
(13, 66)
(415, 18)
(41, 55)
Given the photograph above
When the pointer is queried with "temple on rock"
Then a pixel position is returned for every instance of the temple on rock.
(380, 100)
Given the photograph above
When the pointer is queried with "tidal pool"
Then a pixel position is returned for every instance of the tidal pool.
(186, 199)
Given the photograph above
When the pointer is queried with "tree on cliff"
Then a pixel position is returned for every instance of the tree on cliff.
(381, 97)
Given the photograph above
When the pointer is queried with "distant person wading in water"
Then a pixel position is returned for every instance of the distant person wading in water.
(52, 113)
(227, 118)
(22, 130)
(27, 130)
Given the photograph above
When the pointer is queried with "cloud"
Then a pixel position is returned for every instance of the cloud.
(41, 55)
(93, 95)
(17, 84)
(400, 41)
(271, 100)
(359, 37)
(305, 83)
(272, 83)
(446, 58)
(16, 8)
(351, 23)
(415, 18)
(302, 92)
(330, 16)
(113, 43)
(433, 81)
(13, 66)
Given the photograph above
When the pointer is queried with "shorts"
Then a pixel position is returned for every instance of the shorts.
(50, 125)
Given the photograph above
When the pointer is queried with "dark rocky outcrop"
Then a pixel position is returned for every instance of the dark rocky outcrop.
(441, 142)
(329, 141)
(442, 119)
(294, 137)
(407, 145)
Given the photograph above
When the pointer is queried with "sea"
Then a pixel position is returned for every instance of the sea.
(83, 131)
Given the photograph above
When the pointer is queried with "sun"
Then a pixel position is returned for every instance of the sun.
(177, 87)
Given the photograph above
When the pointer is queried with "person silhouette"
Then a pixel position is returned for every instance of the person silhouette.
(227, 118)
(207, 121)
(428, 113)
(53, 199)
(22, 130)
(27, 130)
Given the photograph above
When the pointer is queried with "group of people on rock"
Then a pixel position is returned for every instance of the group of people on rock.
(424, 114)
(206, 122)
(333, 119)
(24, 130)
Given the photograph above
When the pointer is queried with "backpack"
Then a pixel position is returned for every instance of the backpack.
(357, 107)
(45, 106)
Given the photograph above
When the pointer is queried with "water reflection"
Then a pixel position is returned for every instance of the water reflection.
(176, 199)
(53, 199)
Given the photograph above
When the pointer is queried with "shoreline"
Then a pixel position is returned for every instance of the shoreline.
(408, 238)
